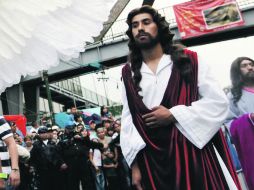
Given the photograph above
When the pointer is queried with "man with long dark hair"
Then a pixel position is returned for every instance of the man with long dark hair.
(172, 112)
(240, 120)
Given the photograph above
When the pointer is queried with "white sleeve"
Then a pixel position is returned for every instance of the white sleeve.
(233, 112)
(200, 121)
(130, 140)
(23, 152)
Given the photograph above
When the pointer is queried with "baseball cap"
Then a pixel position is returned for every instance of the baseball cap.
(42, 130)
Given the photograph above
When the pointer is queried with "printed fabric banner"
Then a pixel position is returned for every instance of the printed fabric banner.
(195, 18)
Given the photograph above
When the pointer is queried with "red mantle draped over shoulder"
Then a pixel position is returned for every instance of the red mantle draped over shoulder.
(170, 161)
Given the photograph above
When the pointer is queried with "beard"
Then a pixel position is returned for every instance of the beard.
(149, 43)
(249, 77)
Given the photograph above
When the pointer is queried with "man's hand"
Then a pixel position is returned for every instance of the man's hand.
(105, 146)
(136, 176)
(159, 117)
(63, 167)
(14, 178)
(97, 169)
(77, 137)
(252, 116)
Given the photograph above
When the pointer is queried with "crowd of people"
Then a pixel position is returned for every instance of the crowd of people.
(79, 155)
(90, 157)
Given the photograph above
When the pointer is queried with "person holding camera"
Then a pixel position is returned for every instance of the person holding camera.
(74, 147)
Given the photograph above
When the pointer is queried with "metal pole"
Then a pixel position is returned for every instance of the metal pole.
(103, 72)
(96, 92)
(73, 88)
(105, 92)
(45, 77)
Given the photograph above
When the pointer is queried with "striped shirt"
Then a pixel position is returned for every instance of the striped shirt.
(5, 132)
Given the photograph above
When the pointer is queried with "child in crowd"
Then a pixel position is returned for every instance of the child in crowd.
(92, 131)
(110, 169)
(110, 132)
(106, 125)
(105, 114)
(28, 142)
(102, 135)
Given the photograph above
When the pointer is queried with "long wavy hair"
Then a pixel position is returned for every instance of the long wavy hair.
(180, 60)
(102, 112)
(237, 78)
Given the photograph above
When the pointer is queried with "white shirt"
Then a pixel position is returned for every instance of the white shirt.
(243, 106)
(211, 109)
(45, 142)
(96, 157)
(93, 135)
(34, 130)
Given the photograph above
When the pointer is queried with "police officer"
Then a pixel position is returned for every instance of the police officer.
(46, 161)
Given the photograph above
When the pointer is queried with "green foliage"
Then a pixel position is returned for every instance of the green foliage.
(116, 110)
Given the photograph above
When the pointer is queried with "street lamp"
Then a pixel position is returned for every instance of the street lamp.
(103, 78)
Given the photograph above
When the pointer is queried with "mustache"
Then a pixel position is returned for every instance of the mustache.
(142, 33)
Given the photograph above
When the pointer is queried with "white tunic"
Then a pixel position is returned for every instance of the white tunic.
(198, 122)
(243, 106)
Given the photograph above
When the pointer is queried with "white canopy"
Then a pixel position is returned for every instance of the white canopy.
(35, 34)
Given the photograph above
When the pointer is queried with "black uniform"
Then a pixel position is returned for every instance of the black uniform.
(46, 161)
(75, 153)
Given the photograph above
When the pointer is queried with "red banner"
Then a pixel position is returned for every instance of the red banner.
(19, 120)
(200, 17)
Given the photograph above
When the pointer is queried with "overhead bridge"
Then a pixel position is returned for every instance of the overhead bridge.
(68, 98)
(113, 50)
(110, 51)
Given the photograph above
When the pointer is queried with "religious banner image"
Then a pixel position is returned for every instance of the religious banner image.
(222, 15)
(200, 17)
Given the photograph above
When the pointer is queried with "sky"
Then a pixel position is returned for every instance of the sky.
(218, 56)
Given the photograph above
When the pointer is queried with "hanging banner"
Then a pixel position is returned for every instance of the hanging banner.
(19, 120)
(200, 17)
